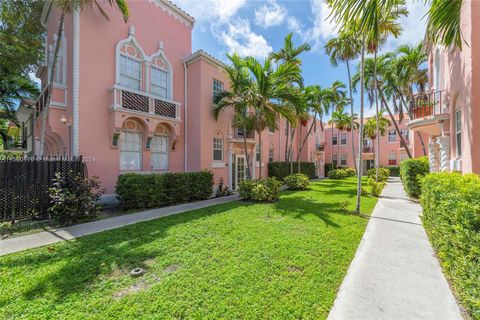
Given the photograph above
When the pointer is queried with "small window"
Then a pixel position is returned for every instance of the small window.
(159, 153)
(334, 160)
(217, 88)
(130, 72)
(334, 139)
(343, 159)
(344, 139)
(217, 149)
(392, 158)
(257, 149)
(405, 133)
(458, 131)
(159, 82)
(392, 135)
(270, 154)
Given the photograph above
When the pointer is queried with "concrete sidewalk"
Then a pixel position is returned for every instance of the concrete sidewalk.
(44, 238)
(395, 274)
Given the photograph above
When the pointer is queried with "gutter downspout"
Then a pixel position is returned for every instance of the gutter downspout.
(185, 98)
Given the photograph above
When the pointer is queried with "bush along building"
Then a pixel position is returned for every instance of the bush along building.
(132, 97)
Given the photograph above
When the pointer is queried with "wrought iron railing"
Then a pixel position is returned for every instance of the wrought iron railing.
(427, 104)
(367, 149)
(42, 100)
(238, 134)
(145, 103)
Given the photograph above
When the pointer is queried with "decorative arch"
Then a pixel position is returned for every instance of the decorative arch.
(135, 124)
(165, 128)
(131, 48)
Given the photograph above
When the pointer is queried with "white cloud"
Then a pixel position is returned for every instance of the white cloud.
(239, 38)
(211, 10)
(270, 15)
(322, 27)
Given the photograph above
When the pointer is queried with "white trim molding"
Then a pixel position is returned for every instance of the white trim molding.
(174, 11)
(76, 84)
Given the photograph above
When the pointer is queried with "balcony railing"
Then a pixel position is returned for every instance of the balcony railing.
(367, 149)
(42, 100)
(238, 134)
(137, 101)
(427, 104)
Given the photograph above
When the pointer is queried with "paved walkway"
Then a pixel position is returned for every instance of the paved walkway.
(395, 274)
(44, 238)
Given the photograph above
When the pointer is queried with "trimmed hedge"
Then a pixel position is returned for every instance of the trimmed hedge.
(451, 216)
(383, 174)
(411, 172)
(341, 173)
(297, 181)
(137, 191)
(394, 171)
(280, 169)
(265, 189)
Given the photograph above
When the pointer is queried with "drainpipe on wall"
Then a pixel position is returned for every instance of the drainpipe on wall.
(185, 166)
(76, 82)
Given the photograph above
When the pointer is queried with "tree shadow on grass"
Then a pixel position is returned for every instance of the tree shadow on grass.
(88, 258)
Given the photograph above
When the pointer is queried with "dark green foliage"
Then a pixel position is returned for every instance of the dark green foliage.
(451, 216)
(137, 191)
(394, 171)
(341, 173)
(327, 167)
(411, 173)
(74, 199)
(376, 187)
(297, 181)
(265, 189)
(280, 170)
(383, 174)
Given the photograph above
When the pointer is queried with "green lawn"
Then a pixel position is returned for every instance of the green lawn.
(240, 260)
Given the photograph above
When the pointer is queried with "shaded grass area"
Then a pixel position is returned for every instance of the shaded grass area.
(281, 260)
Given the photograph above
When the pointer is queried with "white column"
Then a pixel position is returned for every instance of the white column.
(230, 166)
(444, 143)
(432, 156)
(253, 161)
(76, 83)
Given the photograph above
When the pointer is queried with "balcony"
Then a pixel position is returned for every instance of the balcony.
(41, 101)
(367, 149)
(238, 136)
(427, 110)
(129, 100)
(320, 147)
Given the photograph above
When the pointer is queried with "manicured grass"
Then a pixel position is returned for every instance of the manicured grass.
(240, 260)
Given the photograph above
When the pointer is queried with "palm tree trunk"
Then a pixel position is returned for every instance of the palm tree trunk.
(290, 151)
(286, 140)
(331, 150)
(305, 139)
(50, 84)
(377, 129)
(260, 151)
(298, 151)
(249, 173)
(351, 113)
(360, 135)
(402, 141)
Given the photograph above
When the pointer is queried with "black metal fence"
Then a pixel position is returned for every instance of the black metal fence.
(25, 183)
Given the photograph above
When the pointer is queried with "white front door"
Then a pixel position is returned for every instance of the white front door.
(239, 169)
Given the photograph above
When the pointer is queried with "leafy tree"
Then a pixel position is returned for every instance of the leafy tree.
(68, 7)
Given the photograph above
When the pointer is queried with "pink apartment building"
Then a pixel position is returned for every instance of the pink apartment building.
(132, 97)
(448, 113)
(338, 147)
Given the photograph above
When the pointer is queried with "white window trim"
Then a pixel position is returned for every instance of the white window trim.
(168, 154)
(161, 54)
(213, 149)
(141, 71)
(395, 135)
(141, 152)
(49, 61)
(458, 131)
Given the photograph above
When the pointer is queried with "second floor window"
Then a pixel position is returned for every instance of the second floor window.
(217, 87)
(130, 72)
(257, 149)
(217, 149)
(334, 139)
(392, 158)
(392, 135)
(343, 139)
(159, 82)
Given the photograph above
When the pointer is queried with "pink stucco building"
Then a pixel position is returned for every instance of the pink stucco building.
(448, 113)
(338, 146)
(132, 97)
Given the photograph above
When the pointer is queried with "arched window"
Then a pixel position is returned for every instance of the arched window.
(130, 146)
(160, 78)
(130, 68)
(159, 149)
(60, 69)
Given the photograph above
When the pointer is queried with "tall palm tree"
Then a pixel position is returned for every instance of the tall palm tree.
(374, 130)
(345, 48)
(237, 99)
(271, 84)
(341, 120)
(290, 54)
(68, 7)
(443, 24)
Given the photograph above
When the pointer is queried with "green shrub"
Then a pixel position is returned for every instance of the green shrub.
(74, 198)
(376, 187)
(280, 170)
(451, 216)
(137, 191)
(297, 181)
(265, 189)
(411, 172)
(350, 171)
(383, 174)
(394, 171)
(337, 174)
(327, 168)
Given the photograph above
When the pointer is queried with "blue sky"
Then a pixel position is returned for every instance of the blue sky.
(258, 27)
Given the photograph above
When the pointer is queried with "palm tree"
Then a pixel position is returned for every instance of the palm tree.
(345, 48)
(373, 129)
(341, 120)
(443, 24)
(68, 7)
(237, 99)
(270, 84)
(289, 53)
